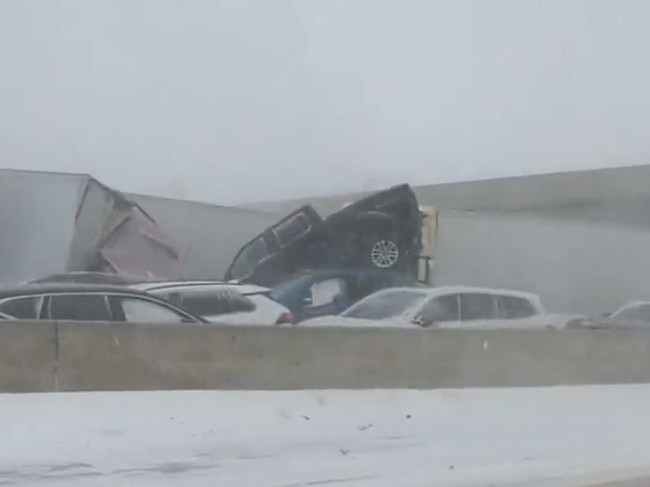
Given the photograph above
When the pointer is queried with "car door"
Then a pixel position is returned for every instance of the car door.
(323, 297)
(478, 310)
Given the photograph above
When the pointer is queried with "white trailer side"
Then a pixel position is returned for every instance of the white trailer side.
(573, 264)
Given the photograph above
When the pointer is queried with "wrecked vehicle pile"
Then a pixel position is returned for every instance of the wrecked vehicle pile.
(99, 236)
(302, 267)
(75, 223)
(381, 231)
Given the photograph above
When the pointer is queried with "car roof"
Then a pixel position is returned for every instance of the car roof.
(483, 290)
(64, 287)
(354, 271)
(635, 303)
(631, 304)
(158, 286)
(422, 292)
(440, 290)
(85, 277)
(371, 201)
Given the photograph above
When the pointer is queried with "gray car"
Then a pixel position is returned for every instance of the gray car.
(86, 302)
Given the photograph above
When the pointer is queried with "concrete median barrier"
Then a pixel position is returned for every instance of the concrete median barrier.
(102, 356)
(27, 357)
(160, 357)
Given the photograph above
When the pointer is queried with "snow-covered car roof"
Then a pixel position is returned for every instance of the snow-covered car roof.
(441, 290)
(631, 304)
(245, 289)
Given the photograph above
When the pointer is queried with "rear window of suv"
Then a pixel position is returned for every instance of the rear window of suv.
(478, 306)
(384, 304)
(23, 308)
(513, 307)
(212, 303)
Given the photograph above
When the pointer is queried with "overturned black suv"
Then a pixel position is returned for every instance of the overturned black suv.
(381, 231)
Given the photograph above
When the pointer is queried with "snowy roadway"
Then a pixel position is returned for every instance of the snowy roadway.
(560, 436)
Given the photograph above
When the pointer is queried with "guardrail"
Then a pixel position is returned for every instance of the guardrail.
(58, 356)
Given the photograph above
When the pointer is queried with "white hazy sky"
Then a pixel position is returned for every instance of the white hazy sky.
(242, 100)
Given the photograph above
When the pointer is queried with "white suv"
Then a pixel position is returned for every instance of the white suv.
(449, 307)
(222, 302)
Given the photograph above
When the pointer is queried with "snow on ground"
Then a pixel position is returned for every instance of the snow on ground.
(474, 437)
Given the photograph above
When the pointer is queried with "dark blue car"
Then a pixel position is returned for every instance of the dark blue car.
(327, 292)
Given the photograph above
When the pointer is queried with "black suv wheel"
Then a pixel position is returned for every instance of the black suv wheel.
(383, 250)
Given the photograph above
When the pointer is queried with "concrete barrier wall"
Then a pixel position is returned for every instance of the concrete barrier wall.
(73, 357)
(27, 357)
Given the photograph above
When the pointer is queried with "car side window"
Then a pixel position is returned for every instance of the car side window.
(325, 292)
(513, 307)
(440, 309)
(24, 308)
(79, 307)
(292, 229)
(216, 303)
(478, 306)
(254, 252)
(138, 310)
(241, 304)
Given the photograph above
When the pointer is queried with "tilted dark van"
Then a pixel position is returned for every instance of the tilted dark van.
(381, 231)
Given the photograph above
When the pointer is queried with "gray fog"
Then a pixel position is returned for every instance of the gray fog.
(233, 101)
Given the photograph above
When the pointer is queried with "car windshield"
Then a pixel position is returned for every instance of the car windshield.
(384, 305)
(638, 313)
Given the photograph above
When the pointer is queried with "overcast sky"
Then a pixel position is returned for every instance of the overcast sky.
(241, 100)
